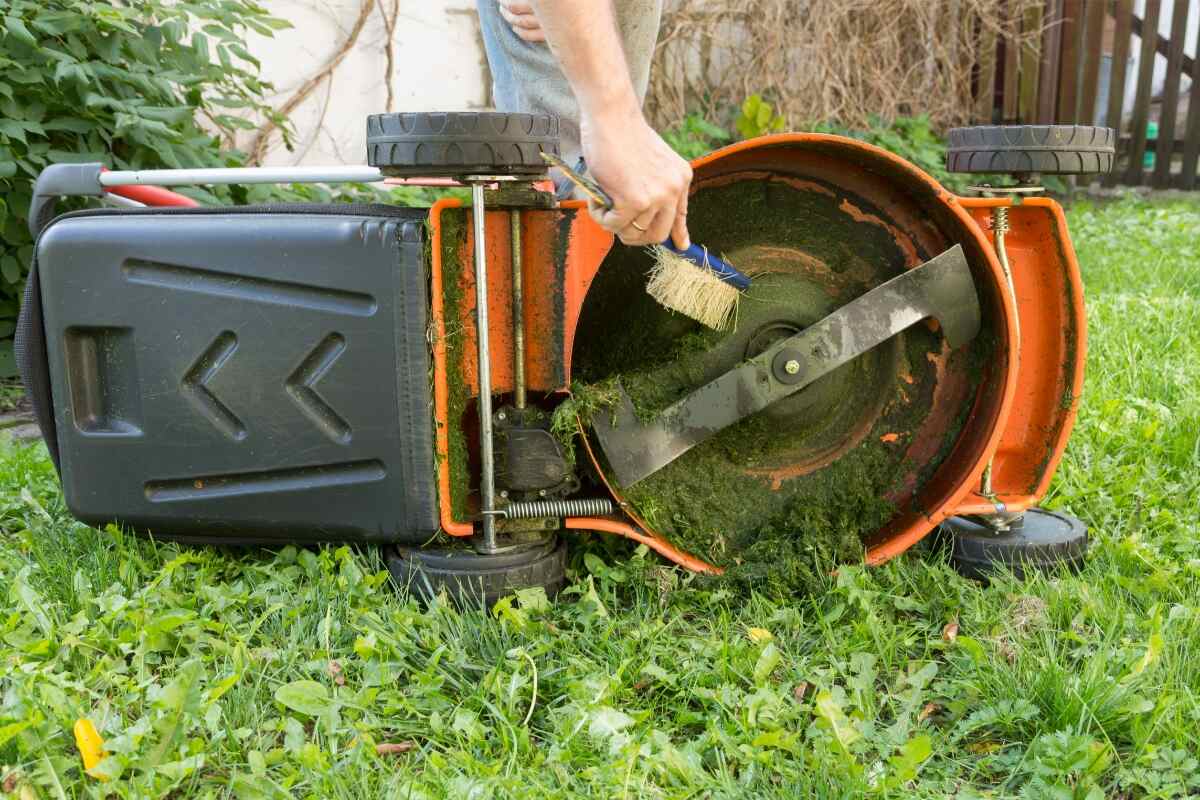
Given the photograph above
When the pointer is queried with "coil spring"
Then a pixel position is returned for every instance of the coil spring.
(1000, 219)
(558, 508)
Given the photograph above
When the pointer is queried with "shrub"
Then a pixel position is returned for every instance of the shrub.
(136, 84)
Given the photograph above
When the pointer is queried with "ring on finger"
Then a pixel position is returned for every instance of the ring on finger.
(639, 227)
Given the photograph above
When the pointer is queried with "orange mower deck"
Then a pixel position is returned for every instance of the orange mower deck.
(1019, 419)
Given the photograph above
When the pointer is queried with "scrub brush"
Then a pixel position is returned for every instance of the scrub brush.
(693, 282)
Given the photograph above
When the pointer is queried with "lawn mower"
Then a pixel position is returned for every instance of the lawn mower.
(465, 384)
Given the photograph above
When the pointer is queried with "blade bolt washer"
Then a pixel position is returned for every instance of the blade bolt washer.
(787, 366)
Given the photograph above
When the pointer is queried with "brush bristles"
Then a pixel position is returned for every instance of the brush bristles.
(692, 290)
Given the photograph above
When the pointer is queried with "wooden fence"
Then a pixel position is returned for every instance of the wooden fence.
(1086, 45)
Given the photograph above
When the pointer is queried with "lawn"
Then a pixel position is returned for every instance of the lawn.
(304, 674)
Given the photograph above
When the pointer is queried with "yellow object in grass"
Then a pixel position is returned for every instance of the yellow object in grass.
(690, 289)
(90, 745)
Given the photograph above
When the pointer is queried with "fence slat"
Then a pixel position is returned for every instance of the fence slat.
(1093, 41)
(1191, 148)
(1068, 94)
(1134, 173)
(1030, 60)
(1170, 96)
(985, 99)
(1116, 86)
(1011, 69)
(1163, 46)
(1048, 63)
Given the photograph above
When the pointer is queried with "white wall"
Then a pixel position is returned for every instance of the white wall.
(439, 65)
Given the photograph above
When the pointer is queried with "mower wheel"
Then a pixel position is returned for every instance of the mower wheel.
(469, 578)
(458, 144)
(1041, 540)
(1028, 149)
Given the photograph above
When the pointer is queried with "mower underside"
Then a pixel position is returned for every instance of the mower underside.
(241, 375)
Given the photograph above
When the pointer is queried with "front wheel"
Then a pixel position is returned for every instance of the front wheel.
(470, 578)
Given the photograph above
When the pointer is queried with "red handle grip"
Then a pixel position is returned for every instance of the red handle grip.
(152, 195)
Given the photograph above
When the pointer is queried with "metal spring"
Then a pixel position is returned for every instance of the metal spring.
(1000, 219)
(559, 508)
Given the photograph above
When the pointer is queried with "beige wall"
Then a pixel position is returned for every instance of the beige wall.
(439, 65)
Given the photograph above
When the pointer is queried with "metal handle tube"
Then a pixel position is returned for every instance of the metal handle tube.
(487, 478)
(518, 312)
(197, 177)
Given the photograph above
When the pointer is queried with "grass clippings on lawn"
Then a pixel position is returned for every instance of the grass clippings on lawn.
(212, 673)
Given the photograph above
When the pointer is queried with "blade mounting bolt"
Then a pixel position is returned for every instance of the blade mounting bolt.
(792, 367)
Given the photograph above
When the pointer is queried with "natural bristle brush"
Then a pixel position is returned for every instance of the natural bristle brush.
(693, 282)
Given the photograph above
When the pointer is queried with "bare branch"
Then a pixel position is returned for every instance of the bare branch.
(262, 138)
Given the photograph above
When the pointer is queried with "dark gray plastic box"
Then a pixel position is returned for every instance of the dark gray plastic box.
(242, 375)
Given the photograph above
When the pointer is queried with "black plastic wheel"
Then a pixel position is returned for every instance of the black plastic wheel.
(1023, 149)
(470, 578)
(460, 143)
(1043, 541)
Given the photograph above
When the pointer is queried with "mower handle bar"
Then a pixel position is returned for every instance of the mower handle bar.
(144, 186)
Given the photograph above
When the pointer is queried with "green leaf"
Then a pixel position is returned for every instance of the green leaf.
(779, 739)
(828, 709)
(768, 659)
(908, 761)
(28, 598)
(606, 722)
(305, 696)
(10, 269)
(9, 731)
(1154, 649)
(16, 28)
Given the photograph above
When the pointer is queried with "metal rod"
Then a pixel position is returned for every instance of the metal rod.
(195, 177)
(518, 312)
(487, 478)
(1001, 521)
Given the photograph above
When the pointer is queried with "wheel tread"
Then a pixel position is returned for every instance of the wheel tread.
(459, 143)
(1048, 149)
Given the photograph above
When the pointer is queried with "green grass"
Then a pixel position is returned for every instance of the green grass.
(215, 673)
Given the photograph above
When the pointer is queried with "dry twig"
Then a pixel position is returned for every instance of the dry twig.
(389, 47)
(262, 138)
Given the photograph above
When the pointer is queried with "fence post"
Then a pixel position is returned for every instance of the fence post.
(1164, 151)
(1072, 30)
(1120, 65)
(1191, 146)
(1135, 172)
(1093, 40)
(1048, 67)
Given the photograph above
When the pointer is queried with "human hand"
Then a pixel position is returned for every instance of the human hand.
(646, 180)
(520, 17)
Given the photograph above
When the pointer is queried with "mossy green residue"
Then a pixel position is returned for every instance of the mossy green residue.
(733, 499)
(585, 402)
(454, 235)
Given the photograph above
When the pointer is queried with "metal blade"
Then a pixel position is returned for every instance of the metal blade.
(941, 288)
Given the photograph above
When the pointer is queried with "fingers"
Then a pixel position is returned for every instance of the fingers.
(679, 230)
(649, 220)
(522, 20)
(660, 228)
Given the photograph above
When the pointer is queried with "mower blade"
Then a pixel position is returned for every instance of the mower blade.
(941, 288)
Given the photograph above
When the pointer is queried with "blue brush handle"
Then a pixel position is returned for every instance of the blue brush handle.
(706, 260)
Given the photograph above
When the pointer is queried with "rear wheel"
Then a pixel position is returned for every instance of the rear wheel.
(470, 578)
(1040, 541)
(457, 144)
(1031, 149)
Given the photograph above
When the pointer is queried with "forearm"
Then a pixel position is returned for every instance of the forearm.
(584, 38)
